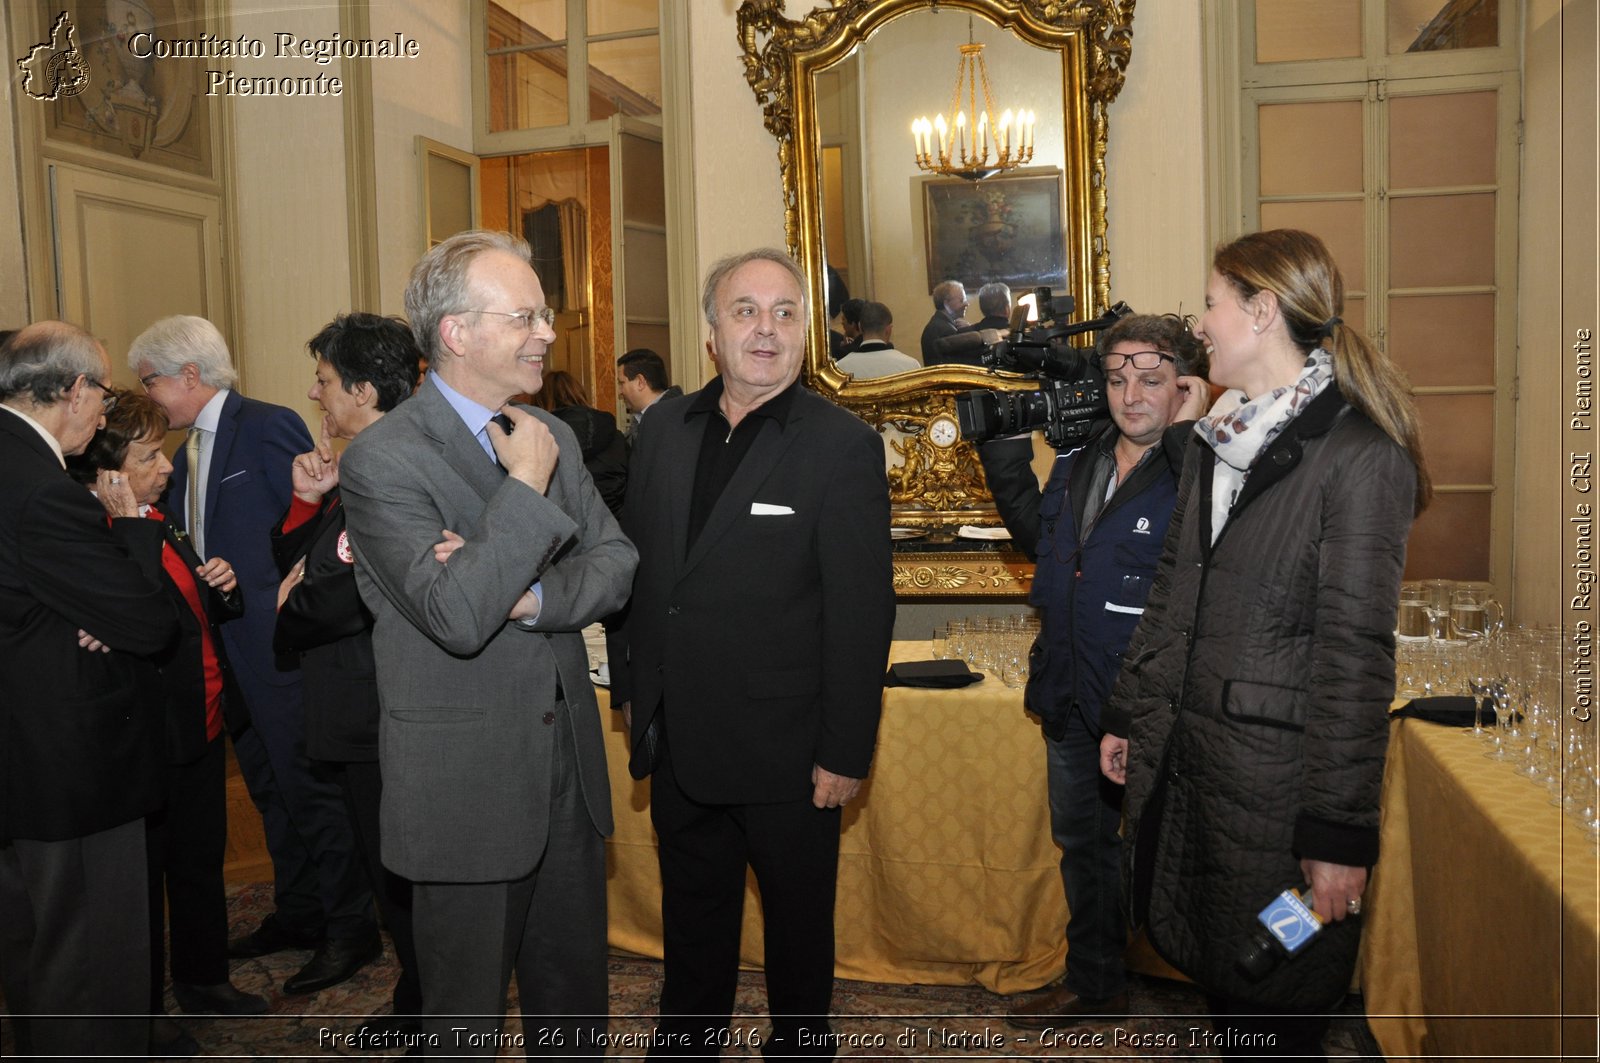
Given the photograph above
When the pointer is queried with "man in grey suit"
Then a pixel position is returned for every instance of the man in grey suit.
(495, 794)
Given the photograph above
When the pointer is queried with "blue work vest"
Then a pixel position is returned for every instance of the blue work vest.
(1090, 588)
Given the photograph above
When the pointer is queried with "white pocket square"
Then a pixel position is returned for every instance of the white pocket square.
(767, 509)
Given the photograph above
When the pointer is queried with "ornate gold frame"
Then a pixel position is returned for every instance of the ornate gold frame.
(938, 488)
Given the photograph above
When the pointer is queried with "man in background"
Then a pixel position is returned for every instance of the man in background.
(642, 382)
(874, 355)
(81, 710)
(994, 300)
(231, 483)
(948, 338)
(1096, 533)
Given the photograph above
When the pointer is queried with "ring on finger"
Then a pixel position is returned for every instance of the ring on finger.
(1353, 906)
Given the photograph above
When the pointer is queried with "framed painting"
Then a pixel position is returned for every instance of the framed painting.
(1005, 228)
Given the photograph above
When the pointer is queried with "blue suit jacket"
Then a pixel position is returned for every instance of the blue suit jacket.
(247, 491)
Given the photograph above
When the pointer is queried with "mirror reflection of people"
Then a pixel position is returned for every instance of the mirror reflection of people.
(994, 301)
(642, 382)
(875, 354)
(759, 634)
(1251, 719)
(850, 326)
(1095, 533)
(948, 338)
(366, 365)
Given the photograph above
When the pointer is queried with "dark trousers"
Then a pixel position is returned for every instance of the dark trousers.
(318, 884)
(548, 926)
(1085, 817)
(74, 942)
(1249, 1031)
(187, 839)
(362, 785)
(793, 847)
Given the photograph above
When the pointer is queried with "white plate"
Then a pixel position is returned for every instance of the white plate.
(594, 677)
(972, 531)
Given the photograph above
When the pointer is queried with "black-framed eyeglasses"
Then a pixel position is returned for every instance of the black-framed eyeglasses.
(524, 319)
(108, 398)
(1143, 361)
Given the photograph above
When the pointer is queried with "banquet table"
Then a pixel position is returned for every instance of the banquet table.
(947, 872)
(1481, 918)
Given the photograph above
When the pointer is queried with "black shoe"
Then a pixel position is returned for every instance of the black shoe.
(219, 999)
(272, 936)
(335, 961)
(168, 1040)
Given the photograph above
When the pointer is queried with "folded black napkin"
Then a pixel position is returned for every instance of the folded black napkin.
(940, 675)
(1453, 711)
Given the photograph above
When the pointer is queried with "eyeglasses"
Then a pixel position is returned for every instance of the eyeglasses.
(108, 398)
(523, 318)
(1142, 360)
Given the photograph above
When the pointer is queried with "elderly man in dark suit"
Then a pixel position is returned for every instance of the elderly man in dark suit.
(759, 633)
(948, 338)
(495, 794)
(230, 484)
(81, 711)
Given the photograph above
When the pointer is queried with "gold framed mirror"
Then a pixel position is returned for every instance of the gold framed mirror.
(840, 88)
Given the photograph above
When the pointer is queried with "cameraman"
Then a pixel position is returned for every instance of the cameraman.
(1096, 532)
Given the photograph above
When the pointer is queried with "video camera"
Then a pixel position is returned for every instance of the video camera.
(1071, 396)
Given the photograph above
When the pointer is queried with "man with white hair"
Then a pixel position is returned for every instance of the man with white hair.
(230, 484)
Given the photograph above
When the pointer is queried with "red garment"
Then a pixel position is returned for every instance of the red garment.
(188, 585)
(300, 511)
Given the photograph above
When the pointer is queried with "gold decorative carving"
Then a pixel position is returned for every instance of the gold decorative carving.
(939, 575)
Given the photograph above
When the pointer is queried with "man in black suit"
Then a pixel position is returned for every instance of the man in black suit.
(240, 451)
(948, 337)
(759, 633)
(81, 712)
(642, 382)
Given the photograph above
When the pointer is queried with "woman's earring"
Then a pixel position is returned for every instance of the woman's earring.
(1255, 328)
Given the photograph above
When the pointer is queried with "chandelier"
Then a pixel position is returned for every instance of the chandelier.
(981, 147)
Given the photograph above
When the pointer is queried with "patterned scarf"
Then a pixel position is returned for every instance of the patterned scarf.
(1239, 430)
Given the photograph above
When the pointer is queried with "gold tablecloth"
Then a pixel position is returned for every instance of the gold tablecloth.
(947, 873)
(1482, 918)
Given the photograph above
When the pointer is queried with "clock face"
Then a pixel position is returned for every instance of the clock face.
(943, 431)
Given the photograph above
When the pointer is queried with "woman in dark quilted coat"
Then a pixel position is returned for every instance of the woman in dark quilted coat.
(1250, 719)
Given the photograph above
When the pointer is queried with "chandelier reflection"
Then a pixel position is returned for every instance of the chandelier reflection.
(976, 147)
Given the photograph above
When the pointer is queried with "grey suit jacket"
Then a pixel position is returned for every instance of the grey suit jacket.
(466, 730)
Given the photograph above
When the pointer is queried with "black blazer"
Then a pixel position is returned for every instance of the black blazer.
(183, 673)
(324, 621)
(80, 732)
(767, 639)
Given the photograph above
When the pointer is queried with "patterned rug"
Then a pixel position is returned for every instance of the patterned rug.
(871, 1020)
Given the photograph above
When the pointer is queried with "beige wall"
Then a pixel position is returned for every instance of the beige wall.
(1556, 295)
(13, 277)
(293, 261)
(430, 98)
